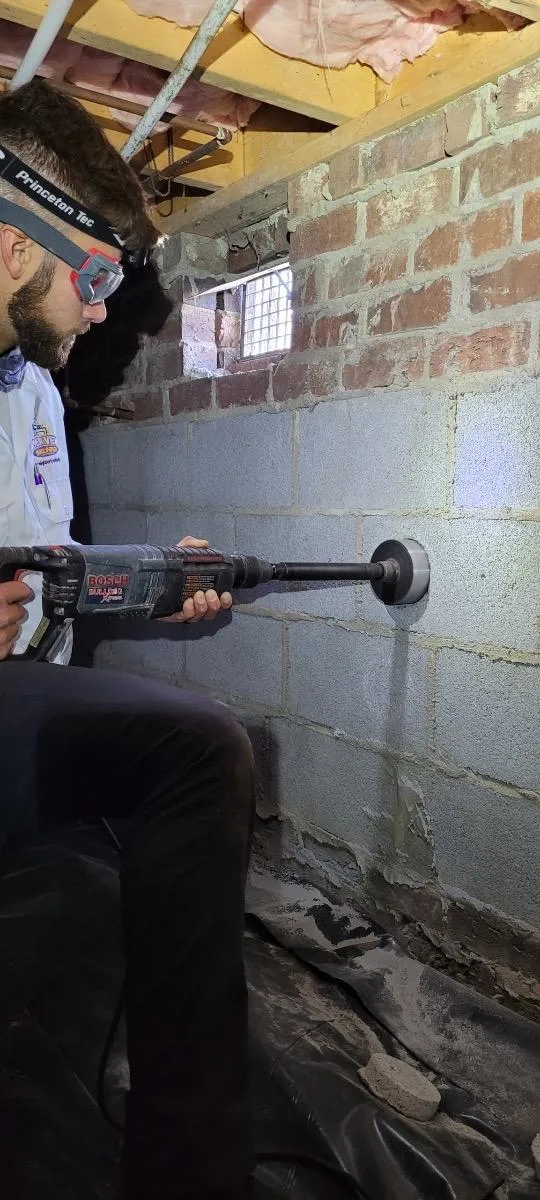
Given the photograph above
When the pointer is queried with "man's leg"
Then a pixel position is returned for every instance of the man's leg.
(82, 743)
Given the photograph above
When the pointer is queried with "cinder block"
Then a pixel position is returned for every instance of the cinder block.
(97, 464)
(480, 588)
(149, 466)
(240, 658)
(487, 717)
(486, 843)
(341, 788)
(167, 528)
(372, 451)
(373, 687)
(305, 539)
(243, 461)
(498, 448)
(117, 527)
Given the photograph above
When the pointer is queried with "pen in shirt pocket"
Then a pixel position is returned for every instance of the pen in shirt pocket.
(41, 482)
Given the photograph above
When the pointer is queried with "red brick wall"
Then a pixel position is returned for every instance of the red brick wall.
(417, 256)
(416, 259)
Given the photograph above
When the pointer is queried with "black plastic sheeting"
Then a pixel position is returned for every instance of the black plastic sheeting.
(327, 989)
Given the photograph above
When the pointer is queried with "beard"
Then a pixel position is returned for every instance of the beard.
(38, 340)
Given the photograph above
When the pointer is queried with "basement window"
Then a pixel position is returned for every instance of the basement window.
(266, 312)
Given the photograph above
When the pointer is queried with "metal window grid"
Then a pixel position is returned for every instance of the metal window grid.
(266, 313)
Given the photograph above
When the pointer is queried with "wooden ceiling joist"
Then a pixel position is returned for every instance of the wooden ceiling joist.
(236, 60)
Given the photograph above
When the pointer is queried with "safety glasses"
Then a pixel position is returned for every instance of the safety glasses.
(95, 275)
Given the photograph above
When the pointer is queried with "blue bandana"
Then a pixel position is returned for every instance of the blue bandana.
(12, 368)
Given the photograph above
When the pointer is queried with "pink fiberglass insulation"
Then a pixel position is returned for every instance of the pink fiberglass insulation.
(119, 77)
(381, 33)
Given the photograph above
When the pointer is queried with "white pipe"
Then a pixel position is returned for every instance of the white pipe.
(41, 43)
(173, 85)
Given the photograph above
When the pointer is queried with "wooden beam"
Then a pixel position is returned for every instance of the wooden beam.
(530, 9)
(236, 60)
(442, 78)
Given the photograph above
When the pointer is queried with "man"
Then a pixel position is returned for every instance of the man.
(177, 763)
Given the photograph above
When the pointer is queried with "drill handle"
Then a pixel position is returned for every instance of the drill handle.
(14, 559)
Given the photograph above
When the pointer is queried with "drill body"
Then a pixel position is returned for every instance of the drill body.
(154, 581)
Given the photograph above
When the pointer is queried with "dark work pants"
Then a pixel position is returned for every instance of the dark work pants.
(78, 743)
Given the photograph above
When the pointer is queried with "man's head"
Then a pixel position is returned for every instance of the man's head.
(44, 302)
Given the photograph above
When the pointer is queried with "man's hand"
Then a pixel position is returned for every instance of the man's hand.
(204, 606)
(12, 614)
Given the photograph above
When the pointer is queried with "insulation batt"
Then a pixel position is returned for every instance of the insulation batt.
(83, 66)
(381, 33)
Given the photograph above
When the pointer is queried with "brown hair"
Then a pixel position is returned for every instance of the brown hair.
(54, 134)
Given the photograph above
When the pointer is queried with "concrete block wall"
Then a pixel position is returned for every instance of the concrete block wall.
(403, 743)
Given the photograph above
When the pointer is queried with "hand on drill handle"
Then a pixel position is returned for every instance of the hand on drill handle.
(13, 597)
(205, 605)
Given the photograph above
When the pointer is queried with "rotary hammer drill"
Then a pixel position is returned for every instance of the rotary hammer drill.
(154, 581)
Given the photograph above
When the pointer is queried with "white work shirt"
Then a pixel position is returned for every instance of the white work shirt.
(33, 449)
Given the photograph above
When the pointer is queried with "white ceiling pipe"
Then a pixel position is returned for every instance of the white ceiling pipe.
(205, 34)
(41, 42)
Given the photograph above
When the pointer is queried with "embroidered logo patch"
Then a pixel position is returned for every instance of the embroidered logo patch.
(44, 445)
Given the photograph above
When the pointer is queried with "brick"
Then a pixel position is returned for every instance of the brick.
(514, 283)
(148, 403)
(489, 737)
(333, 231)
(393, 363)
(194, 289)
(466, 121)
(499, 168)
(190, 395)
(242, 389)
(441, 248)
(311, 766)
(518, 94)
(337, 329)
(347, 172)
(501, 429)
(227, 330)
(302, 331)
(309, 286)
(475, 569)
(305, 539)
(531, 216)
(462, 813)
(268, 241)
(198, 324)
(199, 357)
(417, 308)
(294, 379)
(491, 229)
(416, 199)
(344, 681)
(252, 641)
(407, 149)
(387, 449)
(163, 364)
(261, 446)
(368, 270)
(306, 191)
(483, 350)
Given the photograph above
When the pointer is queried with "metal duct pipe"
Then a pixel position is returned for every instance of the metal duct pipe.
(41, 42)
(151, 182)
(205, 34)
